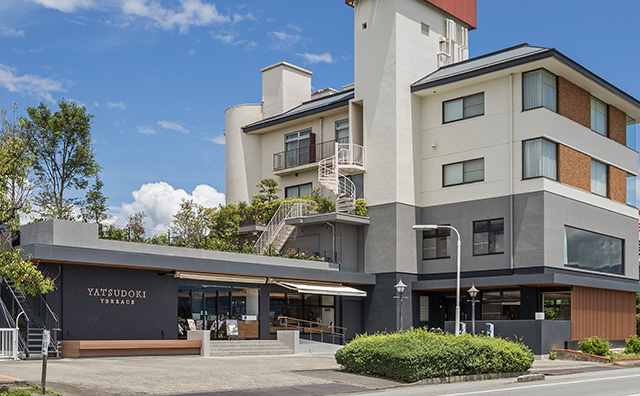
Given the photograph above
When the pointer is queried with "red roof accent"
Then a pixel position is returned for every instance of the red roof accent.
(464, 10)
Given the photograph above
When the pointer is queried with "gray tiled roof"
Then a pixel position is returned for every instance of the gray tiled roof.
(307, 108)
(503, 59)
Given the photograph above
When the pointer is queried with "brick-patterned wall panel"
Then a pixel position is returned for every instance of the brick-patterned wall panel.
(617, 125)
(617, 184)
(609, 314)
(574, 168)
(574, 102)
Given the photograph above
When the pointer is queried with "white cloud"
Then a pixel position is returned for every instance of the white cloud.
(174, 126)
(66, 5)
(190, 13)
(215, 139)
(291, 26)
(239, 17)
(225, 38)
(317, 58)
(9, 32)
(146, 130)
(284, 41)
(191, 52)
(28, 84)
(118, 105)
(160, 201)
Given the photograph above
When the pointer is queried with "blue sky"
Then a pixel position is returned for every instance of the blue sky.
(158, 75)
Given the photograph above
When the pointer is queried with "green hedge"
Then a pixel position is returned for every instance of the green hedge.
(418, 354)
(595, 346)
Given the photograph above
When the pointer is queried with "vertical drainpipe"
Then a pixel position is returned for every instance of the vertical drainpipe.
(511, 249)
(333, 244)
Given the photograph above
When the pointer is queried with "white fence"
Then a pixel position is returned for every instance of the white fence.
(9, 344)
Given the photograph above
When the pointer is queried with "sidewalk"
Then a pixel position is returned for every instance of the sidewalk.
(302, 374)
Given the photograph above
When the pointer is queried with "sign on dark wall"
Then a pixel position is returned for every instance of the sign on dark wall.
(103, 303)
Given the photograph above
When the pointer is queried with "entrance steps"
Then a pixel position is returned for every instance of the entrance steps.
(249, 348)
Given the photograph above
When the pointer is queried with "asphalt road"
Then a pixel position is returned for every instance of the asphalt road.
(622, 382)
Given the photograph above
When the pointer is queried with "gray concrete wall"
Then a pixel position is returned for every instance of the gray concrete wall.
(539, 335)
(390, 242)
(382, 310)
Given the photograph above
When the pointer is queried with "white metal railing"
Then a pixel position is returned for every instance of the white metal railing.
(350, 154)
(288, 209)
(346, 195)
(9, 344)
(327, 174)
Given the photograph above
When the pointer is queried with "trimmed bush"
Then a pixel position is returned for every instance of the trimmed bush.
(594, 346)
(633, 345)
(418, 354)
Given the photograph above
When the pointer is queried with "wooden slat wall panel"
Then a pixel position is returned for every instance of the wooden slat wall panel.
(609, 314)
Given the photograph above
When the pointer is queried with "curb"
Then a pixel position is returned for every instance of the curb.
(471, 377)
(567, 354)
(530, 377)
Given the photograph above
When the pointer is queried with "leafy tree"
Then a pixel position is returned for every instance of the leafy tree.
(135, 226)
(16, 166)
(64, 157)
(268, 191)
(226, 221)
(95, 204)
(26, 276)
(192, 223)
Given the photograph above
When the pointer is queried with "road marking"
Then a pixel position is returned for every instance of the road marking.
(11, 378)
(541, 385)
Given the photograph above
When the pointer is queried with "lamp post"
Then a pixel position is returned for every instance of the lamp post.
(422, 227)
(473, 292)
(400, 288)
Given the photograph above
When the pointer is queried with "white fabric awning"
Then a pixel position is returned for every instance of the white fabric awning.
(326, 289)
(220, 277)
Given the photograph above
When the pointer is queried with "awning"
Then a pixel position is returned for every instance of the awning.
(326, 289)
(220, 277)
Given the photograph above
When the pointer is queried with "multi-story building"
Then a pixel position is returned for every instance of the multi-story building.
(526, 153)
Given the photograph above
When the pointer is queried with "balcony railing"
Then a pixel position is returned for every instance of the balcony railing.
(303, 156)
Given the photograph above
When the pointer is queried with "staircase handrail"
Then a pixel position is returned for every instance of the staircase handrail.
(22, 343)
(15, 298)
(312, 327)
(350, 154)
(288, 208)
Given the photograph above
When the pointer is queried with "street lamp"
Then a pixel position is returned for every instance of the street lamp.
(473, 292)
(423, 227)
(400, 288)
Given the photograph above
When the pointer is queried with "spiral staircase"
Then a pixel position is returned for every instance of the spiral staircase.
(348, 159)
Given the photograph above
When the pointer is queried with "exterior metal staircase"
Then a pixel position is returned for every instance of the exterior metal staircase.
(277, 231)
(38, 317)
(333, 171)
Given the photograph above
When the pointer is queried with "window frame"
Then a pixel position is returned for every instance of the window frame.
(606, 116)
(583, 268)
(464, 116)
(298, 187)
(488, 232)
(438, 233)
(606, 180)
(336, 129)
(542, 102)
(542, 175)
(463, 172)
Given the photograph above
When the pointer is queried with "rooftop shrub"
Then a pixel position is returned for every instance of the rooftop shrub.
(418, 354)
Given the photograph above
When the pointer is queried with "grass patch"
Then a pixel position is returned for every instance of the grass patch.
(418, 354)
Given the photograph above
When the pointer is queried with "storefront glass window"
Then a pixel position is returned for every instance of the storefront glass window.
(557, 306)
(309, 307)
(501, 305)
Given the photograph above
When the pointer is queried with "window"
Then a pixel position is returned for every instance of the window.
(302, 190)
(631, 133)
(424, 308)
(488, 237)
(631, 190)
(425, 28)
(297, 148)
(598, 178)
(342, 131)
(592, 251)
(461, 108)
(598, 116)
(539, 159)
(501, 305)
(435, 243)
(358, 181)
(463, 172)
(539, 90)
(556, 306)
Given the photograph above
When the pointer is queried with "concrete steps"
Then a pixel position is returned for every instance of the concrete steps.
(249, 348)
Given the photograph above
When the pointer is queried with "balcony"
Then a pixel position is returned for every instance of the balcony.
(290, 161)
